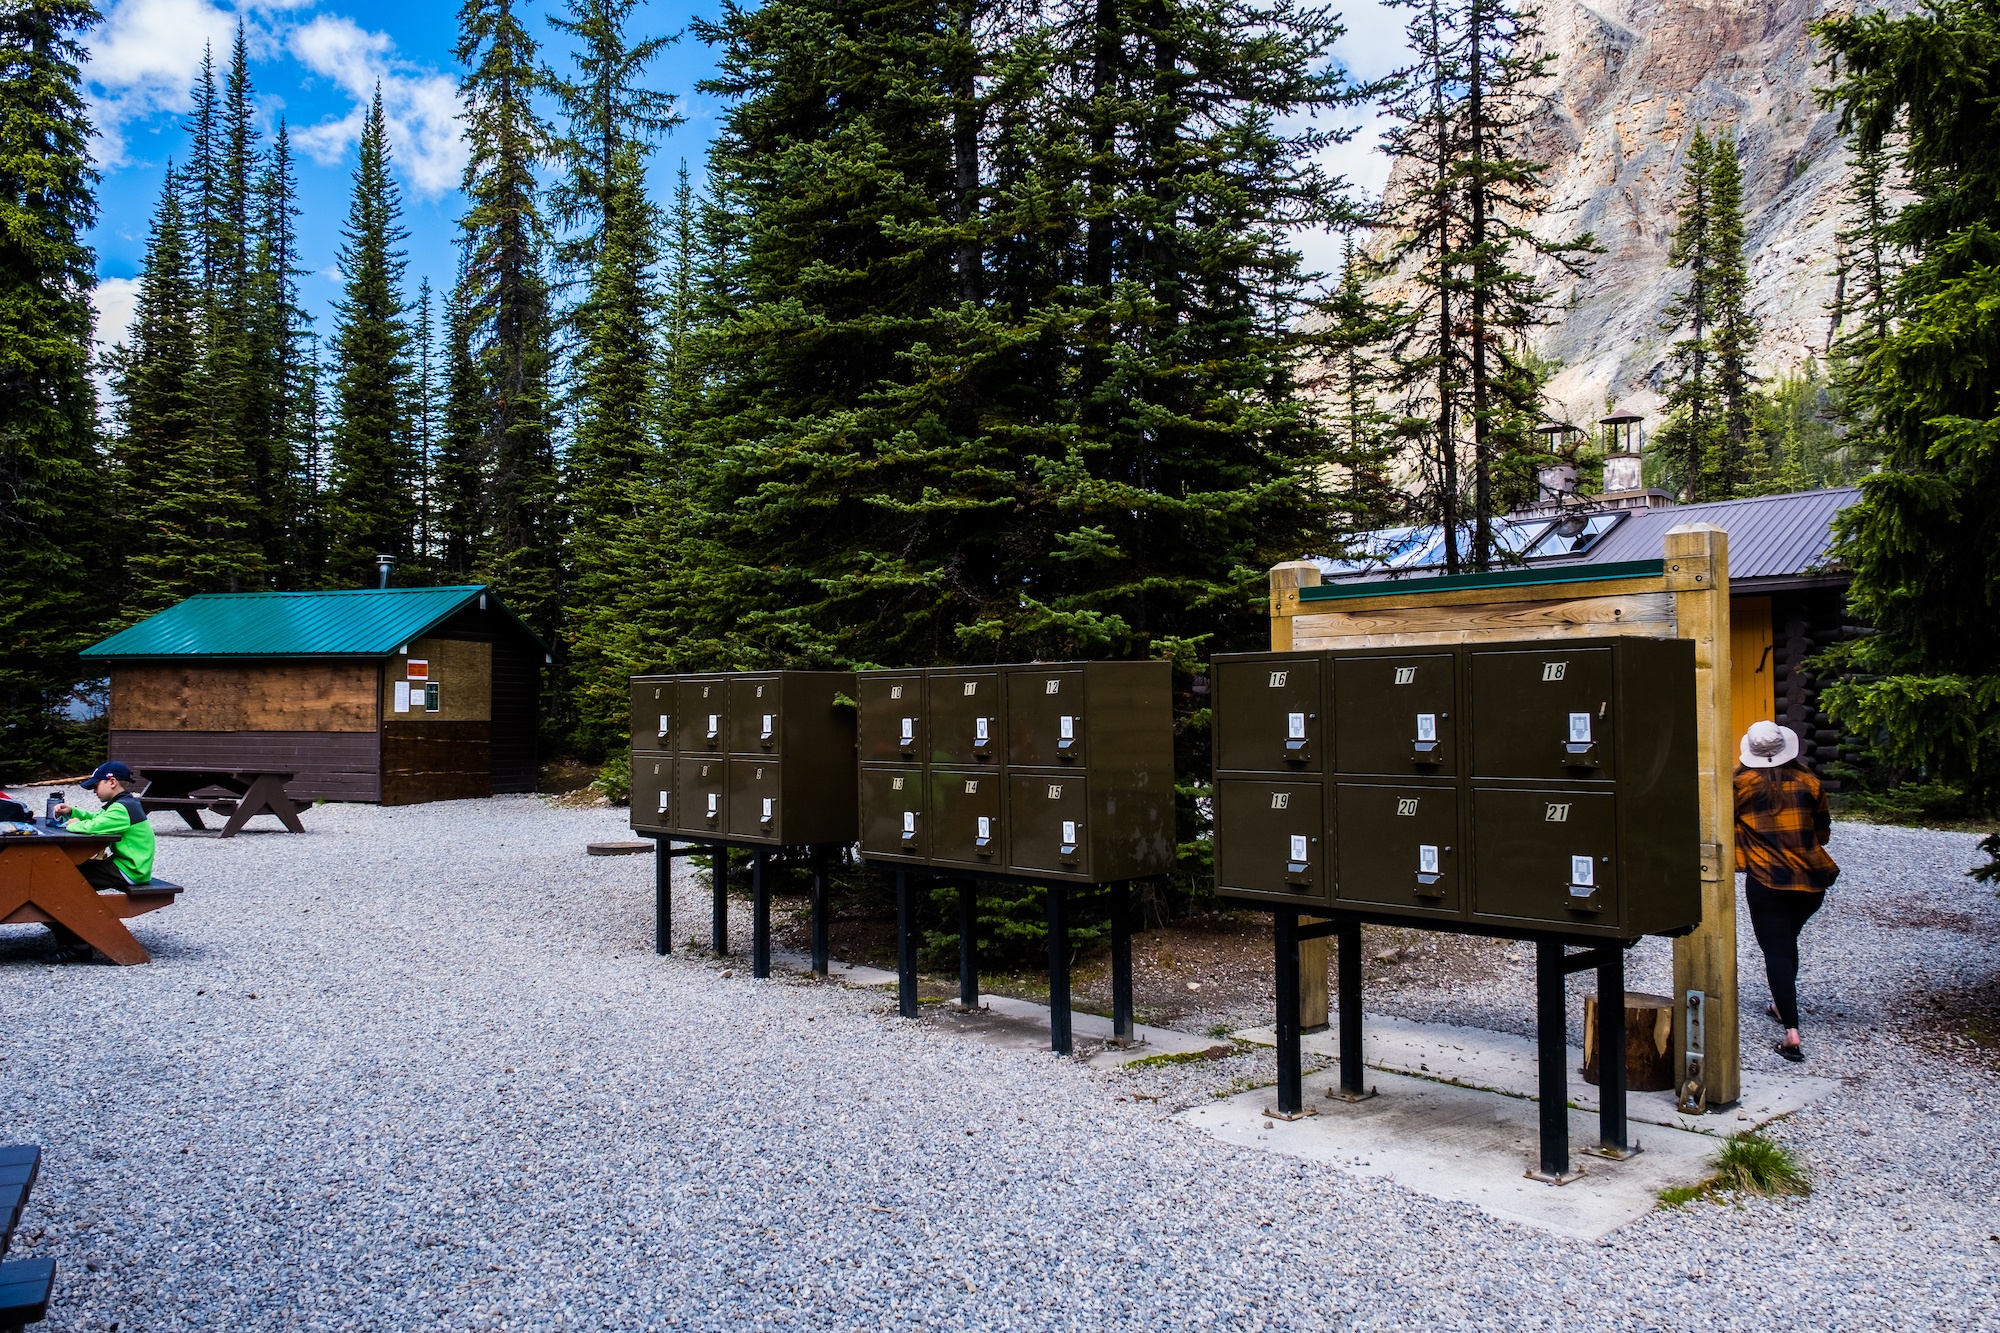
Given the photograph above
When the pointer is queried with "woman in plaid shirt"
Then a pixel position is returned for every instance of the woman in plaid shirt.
(1782, 825)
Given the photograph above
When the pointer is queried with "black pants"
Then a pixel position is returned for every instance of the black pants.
(1778, 915)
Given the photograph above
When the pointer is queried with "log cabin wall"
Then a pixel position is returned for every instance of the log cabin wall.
(1804, 623)
(317, 718)
(516, 698)
(437, 721)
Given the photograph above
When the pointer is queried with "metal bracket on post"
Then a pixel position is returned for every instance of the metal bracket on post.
(1122, 1030)
(968, 946)
(906, 947)
(1613, 1135)
(1552, 1062)
(1291, 1067)
(819, 923)
(1059, 1021)
(1692, 1099)
(1352, 1086)
(760, 913)
(718, 930)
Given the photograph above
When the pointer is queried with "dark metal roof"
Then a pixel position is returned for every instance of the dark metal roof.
(1775, 541)
(1772, 538)
(350, 622)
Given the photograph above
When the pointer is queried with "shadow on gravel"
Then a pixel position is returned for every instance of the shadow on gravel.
(1959, 1022)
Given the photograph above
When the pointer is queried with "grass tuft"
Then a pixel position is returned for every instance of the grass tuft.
(1747, 1164)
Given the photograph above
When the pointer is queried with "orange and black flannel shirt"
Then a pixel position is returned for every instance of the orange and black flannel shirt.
(1782, 825)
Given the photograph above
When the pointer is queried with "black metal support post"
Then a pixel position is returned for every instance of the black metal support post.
(1611, 1131)
(663, 896)
(760, 913)
(1291, 1071)
(968, 945)
(718, 931)
(1121, 963)
(1059, 1033)
(819, 914)
(1552, 1059)
(906, 946)
(1348, 939)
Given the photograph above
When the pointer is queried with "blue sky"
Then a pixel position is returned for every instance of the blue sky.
(316, 62)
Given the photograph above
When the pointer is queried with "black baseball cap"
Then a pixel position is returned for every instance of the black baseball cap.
(110, 769)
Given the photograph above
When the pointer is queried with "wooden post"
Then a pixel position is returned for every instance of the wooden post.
(1697, 574)
(1315, 955)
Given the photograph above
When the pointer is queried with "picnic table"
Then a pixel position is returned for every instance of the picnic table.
(238, 793)
(39, 881)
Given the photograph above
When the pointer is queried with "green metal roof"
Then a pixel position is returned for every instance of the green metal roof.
(352, 622)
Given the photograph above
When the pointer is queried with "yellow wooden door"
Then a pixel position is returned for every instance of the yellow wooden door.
(1752, 663)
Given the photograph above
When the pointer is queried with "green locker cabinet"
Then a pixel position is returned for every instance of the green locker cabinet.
(701, 789)
(1269, 840)
(967, 817)
(891, 716)
(967, 727)
(1545, 712)
(895, 812)
(701, 726)
(652, 791)
(654, 699)
(1270, 712)
(1396, 713)
(1397, 848)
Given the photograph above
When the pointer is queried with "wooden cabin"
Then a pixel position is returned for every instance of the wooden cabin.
(393, 695)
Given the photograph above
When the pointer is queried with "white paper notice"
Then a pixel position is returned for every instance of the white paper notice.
(714, 725)
(713, 799)
(769, 718)
(985, 826)
(1427, 726)
(1582, 871)
(909, 731)
(666, 724)
(1295, 726)
(1069, 831)
(1066, 728)
(909, 822)
(663, 803)
(1298, 846)
(1427, 860)
(1579, 727)
(768, 803)
(979, 732)
(402, 696)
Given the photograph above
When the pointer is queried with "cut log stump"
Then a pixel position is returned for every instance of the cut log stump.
(1649, 1041)
(637, 847)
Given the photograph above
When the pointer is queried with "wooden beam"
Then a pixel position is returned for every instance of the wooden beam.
(1287, 602)
(1421, 625)
(1705, 960)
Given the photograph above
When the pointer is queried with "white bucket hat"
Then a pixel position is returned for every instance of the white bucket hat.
(1767, 745)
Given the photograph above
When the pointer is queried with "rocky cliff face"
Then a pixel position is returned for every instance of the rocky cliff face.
(1636, 77)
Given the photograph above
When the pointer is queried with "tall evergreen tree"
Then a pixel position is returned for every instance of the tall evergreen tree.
(458, 474)
(371, 507)
(47, 413)
(1468, 230)
(424, 427)
(1355, 332)
(505, 297)
(180, 488)
(615, 465)
(277, 412)
(1924, 539)
(1735, 339)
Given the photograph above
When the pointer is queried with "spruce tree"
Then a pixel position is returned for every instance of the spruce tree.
(1735, 338)
(278, 412)
(505, 296)
(1355, 331)
(1924, 539)
(458, 473)
(1469, 232)
(49, 478)
(615, 465)
(424, 427)
(371, 506)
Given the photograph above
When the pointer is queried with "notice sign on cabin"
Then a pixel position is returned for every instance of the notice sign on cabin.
(415, 689)
(419, 669)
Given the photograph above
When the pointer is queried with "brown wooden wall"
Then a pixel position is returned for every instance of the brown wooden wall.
(436, 761)
(462, 669)
(331, 765)
(326, 695)
(517, 694)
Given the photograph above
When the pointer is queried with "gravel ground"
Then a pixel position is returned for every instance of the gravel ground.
(363, 1087)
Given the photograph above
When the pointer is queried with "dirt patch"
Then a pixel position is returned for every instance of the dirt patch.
(1206, 972)
(1960, 1022)
(1916, 914)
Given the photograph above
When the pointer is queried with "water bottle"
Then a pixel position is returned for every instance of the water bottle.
(55, 799)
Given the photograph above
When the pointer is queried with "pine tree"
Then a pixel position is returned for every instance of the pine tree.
(185, 533)
(48, 463)
(458, 474)
(1735, 339)
(278, 412)
(424, 427)
(1468, 231)
(1924, 539)
(1356, 332)
(505, 298)
(371, 507)
(615, 465)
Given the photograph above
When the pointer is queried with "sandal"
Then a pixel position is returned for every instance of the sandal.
(1796, 1054)
(1771, 1011)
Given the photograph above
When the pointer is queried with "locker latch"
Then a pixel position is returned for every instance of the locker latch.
(1295, 736)
(985, 838)
(1065, 734)
(1298, 868)
(768, 815)
(1429, 873)
(1069, 838)
(770, 727)
(982, 732)
(1427, 748)
(714, 725)
(1580, 749)
(1583, 885)
(909, 826)
(666, 723)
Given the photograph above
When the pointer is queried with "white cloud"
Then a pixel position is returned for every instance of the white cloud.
(144, 58)
(426, 142)
(116, 300)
